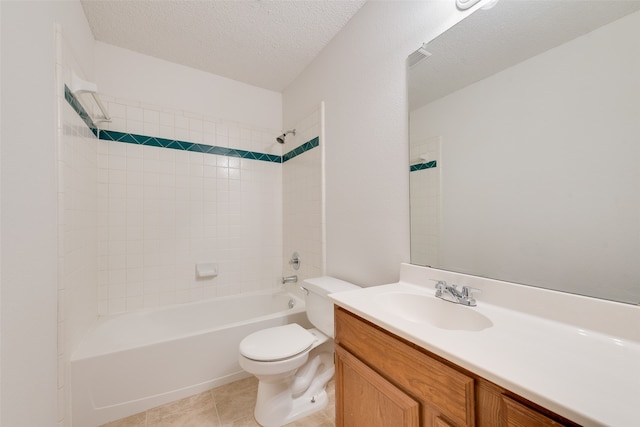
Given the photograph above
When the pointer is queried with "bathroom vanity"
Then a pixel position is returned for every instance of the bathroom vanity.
(403, 384)
(522, 357)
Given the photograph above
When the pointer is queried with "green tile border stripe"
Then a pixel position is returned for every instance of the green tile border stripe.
(78, 108)
(301, 149)
(130, 138)
(422, 166)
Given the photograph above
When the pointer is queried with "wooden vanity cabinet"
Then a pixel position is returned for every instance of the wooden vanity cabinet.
(383, 380)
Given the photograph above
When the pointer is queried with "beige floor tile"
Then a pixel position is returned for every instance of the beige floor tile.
(194, 411)
(137, 420)
(236, 401)
(230, 405)
(318, 419)
(247, 421)
(240, 386)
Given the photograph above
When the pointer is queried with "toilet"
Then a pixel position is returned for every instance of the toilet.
(294, 364)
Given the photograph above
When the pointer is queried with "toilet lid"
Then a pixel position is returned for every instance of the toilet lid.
(276, 343)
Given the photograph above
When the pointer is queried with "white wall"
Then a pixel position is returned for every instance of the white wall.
(122, 73)
(544, 167)
(29, 215)
(361, 76)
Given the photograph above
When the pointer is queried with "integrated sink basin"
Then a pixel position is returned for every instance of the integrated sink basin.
(425, 309)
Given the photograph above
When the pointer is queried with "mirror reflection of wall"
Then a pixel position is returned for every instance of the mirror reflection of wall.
(538, 180)
(424, 184)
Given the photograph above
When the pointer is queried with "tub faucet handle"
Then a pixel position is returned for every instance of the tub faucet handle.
(294, 262)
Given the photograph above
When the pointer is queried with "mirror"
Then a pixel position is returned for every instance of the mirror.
(525, 147)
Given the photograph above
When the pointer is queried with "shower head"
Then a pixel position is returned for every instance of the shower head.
(281, 138)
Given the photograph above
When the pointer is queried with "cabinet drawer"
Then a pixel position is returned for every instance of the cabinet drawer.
(450, 392)
(518, 415)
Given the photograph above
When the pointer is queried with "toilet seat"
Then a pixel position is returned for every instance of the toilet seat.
(277, 343)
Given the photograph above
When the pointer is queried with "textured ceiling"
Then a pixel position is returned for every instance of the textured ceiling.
(265, 43)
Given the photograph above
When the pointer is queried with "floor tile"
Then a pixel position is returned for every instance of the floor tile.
(246, 421)
(230, 405)
(236, 400)
(194, 411)
(137, 420)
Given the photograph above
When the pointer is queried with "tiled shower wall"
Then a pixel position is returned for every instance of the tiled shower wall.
(303, 193)
(135, 219)
(161, 211)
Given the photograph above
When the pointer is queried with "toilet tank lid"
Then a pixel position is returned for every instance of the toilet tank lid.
(327, 285)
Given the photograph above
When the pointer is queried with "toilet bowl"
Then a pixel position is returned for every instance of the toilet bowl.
(293, 364)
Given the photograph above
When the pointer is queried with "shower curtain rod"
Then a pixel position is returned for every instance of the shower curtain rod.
(79, 86)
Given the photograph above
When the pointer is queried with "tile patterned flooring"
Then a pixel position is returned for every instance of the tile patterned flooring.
(225, 406)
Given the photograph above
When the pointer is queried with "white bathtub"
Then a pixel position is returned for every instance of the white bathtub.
(135, 361)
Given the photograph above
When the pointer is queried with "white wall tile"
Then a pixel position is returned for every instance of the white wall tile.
(117, 305)
(182, 134)
(181, 122)
(79, 181)
(150, 129)
(302, 208)
(117, 110)
(169, 209)
(196, 137)
(134, 113)
(166, 119)
(151, 116)
(167, 132)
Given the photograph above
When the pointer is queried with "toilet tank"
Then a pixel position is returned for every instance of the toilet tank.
(319, 307)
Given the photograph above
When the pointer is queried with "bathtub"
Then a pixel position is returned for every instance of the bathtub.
(135, 361)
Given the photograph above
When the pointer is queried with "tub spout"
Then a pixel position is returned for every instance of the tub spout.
(290, 279)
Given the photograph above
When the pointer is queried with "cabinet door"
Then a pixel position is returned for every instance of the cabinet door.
(439, 422)
(364, 398)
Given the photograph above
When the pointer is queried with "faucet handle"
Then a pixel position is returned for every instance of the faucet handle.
(468, 290)
(441, 285)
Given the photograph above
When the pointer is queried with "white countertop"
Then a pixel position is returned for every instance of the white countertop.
(577, 356)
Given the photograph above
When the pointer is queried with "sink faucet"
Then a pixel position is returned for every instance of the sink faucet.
(452, 294)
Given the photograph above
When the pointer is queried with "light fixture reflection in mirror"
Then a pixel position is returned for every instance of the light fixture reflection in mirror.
(539, 184)
(465, 4)
(468, 4)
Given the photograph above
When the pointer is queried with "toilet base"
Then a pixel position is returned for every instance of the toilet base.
(303, 408)
(274, 416)
(276, 404)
